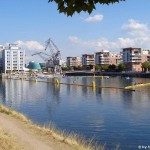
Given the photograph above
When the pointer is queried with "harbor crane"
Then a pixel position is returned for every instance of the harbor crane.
(52, 60)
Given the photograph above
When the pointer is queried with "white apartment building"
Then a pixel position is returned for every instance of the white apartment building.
(13, 58)
(73, 61)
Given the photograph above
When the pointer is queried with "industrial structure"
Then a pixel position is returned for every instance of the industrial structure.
(52, 57)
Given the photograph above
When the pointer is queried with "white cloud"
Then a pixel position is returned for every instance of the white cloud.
(95, 18)
(136, 29)
(103, 43)
(31, 45)
(74, 39)
(138, 36)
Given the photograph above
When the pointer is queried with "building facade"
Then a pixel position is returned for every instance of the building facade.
(1, 60)
(88, 62)
(88, 59)
(134, 57)
(107, 58)
(73, 61)
(13, 58)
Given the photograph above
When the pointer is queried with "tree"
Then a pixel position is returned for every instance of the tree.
(112, 67)
(30, 72)
(67, 68)
(145, 66)
(121, 67)
(105, 67)
(69, 7)
(78, 68)
(97, 68)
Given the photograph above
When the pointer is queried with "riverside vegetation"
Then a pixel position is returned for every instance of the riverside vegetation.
(50, 133)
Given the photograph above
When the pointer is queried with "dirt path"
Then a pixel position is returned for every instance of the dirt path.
(27, 138)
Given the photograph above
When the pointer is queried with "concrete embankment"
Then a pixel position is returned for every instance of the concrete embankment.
(123, 74)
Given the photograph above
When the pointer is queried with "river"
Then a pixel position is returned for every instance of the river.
(109, 116)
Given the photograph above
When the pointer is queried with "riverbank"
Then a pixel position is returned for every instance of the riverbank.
(97, 73)
(17, 133)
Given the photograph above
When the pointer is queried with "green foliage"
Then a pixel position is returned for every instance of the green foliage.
(105, 67)
(112, 67)
(69, 7)
(78, 68)
(146, 66)
(30, 72)
(97, 68)
(121, 67)
(68, 68)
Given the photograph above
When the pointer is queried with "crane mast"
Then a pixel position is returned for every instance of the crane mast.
(53, 59)
(55, 56)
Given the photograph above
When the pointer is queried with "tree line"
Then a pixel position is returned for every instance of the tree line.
(120, 67)
(111, 68)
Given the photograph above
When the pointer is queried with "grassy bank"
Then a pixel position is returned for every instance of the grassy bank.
(72, 140)
(8, 142)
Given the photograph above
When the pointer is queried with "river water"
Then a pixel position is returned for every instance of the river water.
(109, 116)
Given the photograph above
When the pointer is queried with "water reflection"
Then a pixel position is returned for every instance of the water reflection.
(112, 116)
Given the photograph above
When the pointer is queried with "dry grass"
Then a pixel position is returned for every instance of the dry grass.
(72, 140)
(8, 142)
(13, 113)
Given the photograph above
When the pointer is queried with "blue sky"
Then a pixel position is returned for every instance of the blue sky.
(31, 23)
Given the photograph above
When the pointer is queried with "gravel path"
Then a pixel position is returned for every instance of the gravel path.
(27, 138)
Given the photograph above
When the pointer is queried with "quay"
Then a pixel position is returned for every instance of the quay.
(97, 73)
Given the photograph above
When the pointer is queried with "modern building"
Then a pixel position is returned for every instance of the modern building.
(73, 61)
(145, 55)
(107, 57)
(64, 63)
(13, 58)
(134, 57)
(88, 61)
(1, 62)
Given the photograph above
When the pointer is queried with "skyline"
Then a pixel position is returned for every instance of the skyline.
(31, 23)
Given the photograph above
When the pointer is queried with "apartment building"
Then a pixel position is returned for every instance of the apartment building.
(13, 58)
(134, 57)
(73, 61)
(145, 55)
(1, 50)
(88, 61)
(107, 57)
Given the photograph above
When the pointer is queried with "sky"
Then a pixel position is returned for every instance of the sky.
(29, 23)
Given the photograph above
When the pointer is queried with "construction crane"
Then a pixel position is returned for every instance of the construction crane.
(45, 57)
(55, 56)
(52, 60)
